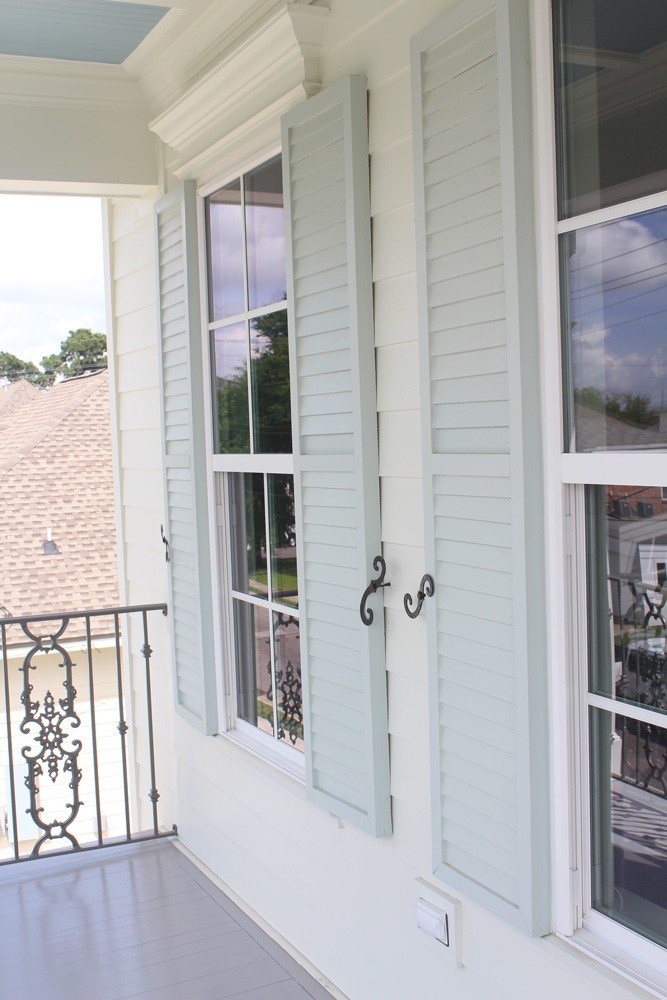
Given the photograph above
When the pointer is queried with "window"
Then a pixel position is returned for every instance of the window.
(227, 458)
(612, 178)
(252, 464)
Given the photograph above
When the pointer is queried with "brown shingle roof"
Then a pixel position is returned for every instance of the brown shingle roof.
(56, 473)
(599, 431)
(14, 394)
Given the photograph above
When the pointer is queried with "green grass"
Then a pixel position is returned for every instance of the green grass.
(285, 581)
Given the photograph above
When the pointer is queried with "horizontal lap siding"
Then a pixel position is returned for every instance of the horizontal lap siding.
(470, 428)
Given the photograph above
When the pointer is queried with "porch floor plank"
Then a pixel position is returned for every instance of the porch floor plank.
(139, 922)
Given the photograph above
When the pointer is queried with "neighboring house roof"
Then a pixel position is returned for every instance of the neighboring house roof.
(56, 475)
(15, 394)
(597, 431)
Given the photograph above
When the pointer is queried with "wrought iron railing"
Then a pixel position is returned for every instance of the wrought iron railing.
(68, 733)
(640, 651)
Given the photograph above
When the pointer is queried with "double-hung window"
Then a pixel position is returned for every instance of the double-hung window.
(280, 450)
(611, 108)
(252, 464)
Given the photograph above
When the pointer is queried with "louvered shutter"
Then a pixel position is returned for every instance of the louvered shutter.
(325, 153)
(482, 460)
(184, 456)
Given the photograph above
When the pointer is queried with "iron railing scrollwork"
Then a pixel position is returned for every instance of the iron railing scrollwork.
(645, 680)
(287, 685)
(640, 653)
(59, 727)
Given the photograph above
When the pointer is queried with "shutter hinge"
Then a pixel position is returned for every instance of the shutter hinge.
(220, 515)
(165, 541)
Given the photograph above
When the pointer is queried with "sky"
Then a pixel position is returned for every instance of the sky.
(618, 305)
(51, 272)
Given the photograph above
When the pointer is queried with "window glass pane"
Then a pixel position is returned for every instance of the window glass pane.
(614, 287)
(611, 95)
(627, 593)
(629, 822)
(224, 229)
(254, 683)
(230, 363)
(283, 540)
(288, 679)
(265, 234)
(269, 354)
(249, 571)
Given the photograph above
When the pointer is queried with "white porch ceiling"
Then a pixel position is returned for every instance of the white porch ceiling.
(101, 31)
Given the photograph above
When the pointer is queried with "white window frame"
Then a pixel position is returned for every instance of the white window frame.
(619, 948)
(283, 756)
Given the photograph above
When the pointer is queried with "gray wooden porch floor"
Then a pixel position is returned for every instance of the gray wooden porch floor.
(139, 921)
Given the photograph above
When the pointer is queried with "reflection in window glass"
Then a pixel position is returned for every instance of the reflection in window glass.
(614, 308)
(611, 87)
(627, 593)
(268, 670)
(254, 682)
(284, 584)
(288, 679)
(252, 415)
(249, 570)
(265, 234)
(224, 230)
(626, 543)
(629, 822)
(269, 353)
(230, 363)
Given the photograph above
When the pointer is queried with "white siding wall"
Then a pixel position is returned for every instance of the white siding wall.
(343, 898)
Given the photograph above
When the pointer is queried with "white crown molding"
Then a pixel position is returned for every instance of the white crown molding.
(60, 83)
(279, 56)
(251, 142)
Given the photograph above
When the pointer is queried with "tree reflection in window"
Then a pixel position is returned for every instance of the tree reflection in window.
(269, 387)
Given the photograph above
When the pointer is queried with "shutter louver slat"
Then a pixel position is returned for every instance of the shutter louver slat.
(469, 72)
(335, 444)
(181, 392)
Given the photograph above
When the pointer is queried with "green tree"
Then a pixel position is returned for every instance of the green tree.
(271, 384)
(630, 407)
(81, 351)
(633, 408)
(270, 391)
(591, 397)
(13, 368)
(272, 429)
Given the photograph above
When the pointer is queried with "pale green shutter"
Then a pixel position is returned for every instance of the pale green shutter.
(482, 460)
(184, 456)
(325, 149)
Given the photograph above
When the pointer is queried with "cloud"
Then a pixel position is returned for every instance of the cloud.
(617, 253)
(597, 364)
(618, 305)
(51, 272)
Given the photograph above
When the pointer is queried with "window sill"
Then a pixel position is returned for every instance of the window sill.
(637, 961)
(269, 751)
